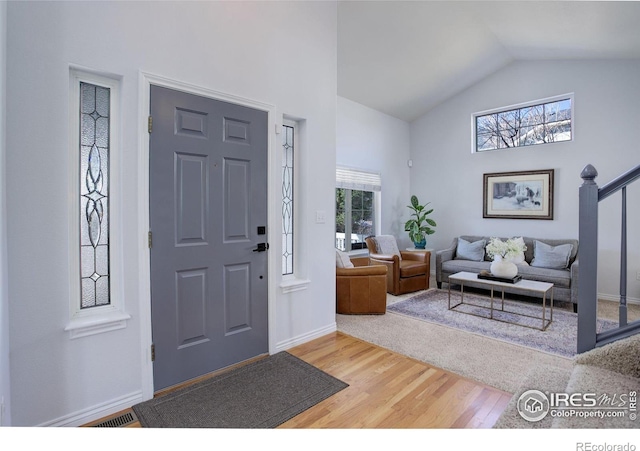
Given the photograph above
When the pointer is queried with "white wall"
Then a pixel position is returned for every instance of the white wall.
(279, 53)
(5, 411)
(371, 140)
(607, 114)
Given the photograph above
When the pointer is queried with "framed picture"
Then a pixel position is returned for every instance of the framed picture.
(518, 195)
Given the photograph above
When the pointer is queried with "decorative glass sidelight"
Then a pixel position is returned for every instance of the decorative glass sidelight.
(94, 194)
(287, 200)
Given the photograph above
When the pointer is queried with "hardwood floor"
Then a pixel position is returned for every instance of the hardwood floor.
(389, 390)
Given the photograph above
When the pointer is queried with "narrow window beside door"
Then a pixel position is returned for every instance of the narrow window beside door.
(95, 106)
(294, 252)
(96, 296)
(287, 199)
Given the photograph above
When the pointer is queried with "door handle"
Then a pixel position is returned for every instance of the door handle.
(261, 247)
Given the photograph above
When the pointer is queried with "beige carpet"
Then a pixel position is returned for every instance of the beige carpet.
(493, 362)
(611, 369)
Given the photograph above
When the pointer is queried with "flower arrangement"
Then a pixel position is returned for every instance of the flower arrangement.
(511, 248)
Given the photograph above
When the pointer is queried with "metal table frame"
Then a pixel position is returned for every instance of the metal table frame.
(525, 285)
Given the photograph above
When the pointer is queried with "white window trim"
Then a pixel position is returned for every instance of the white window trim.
(297, 281)
(95, 320)
(515, 107)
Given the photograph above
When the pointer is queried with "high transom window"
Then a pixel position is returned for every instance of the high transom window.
(541, 122)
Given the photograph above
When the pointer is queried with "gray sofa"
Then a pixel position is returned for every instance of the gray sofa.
(565, 281)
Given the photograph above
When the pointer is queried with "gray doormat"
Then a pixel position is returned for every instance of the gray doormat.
(261, 394)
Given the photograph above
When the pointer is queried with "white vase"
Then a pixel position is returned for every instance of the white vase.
(503, 268)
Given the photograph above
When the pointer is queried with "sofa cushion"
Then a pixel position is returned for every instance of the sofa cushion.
(470, 251)
(560, 278)
(343, 260)
(553, 257)
(454, 266)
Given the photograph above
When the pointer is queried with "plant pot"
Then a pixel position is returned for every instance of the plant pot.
(420, 244)
(503, 268)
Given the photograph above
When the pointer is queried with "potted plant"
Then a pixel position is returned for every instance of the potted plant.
(419, 226)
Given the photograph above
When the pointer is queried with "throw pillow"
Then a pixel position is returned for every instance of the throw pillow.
(343, 260)
(387, 245)
(553, 257)
(470, 251)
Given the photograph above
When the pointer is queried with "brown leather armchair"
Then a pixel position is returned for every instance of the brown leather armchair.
(361, 289)
(407, 271)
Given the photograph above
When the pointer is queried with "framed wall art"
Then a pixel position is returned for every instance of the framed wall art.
(518, 195)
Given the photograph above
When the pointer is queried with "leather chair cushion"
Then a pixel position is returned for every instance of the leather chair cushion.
(410, 268)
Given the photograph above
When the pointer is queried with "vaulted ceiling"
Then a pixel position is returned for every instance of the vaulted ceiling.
(404, 57)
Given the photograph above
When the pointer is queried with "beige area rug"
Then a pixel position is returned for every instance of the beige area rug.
(493, 362)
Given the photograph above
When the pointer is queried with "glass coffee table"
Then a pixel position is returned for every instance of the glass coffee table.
(531, 287)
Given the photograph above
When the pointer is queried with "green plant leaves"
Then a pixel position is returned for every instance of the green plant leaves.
(419, 225)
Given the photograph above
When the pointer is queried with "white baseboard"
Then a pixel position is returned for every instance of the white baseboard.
(301, 339)
(616, 298)
(97, 412)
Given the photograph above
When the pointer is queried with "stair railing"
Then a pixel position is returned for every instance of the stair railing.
(589, 197)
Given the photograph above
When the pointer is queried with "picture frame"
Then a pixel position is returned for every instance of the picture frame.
(518, 195)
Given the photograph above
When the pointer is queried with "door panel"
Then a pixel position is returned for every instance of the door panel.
(208, 196)
(236, 202)
(191, 303)
(191, 181)
(237, 298)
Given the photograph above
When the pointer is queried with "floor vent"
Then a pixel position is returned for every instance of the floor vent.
(119, 421)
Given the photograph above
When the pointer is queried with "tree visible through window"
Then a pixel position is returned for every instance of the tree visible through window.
(354, 218)
(357, 194)
(541, 123)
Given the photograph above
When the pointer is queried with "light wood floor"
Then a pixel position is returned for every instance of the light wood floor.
(389, 390)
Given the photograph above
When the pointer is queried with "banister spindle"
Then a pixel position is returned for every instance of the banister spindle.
(622, 313)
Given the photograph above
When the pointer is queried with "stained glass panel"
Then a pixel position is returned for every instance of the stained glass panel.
(94, 194)
(287, 200)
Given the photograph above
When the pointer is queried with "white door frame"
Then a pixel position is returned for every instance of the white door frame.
(144, 294)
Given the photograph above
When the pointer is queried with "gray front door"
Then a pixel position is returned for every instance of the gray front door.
(208, 216)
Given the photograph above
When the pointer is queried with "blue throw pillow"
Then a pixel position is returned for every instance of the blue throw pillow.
(553, 257)
(470, 251)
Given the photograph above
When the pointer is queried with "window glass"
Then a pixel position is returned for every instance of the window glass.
(541, 123)
(287, 199)
(94, 194)
(355, 215)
